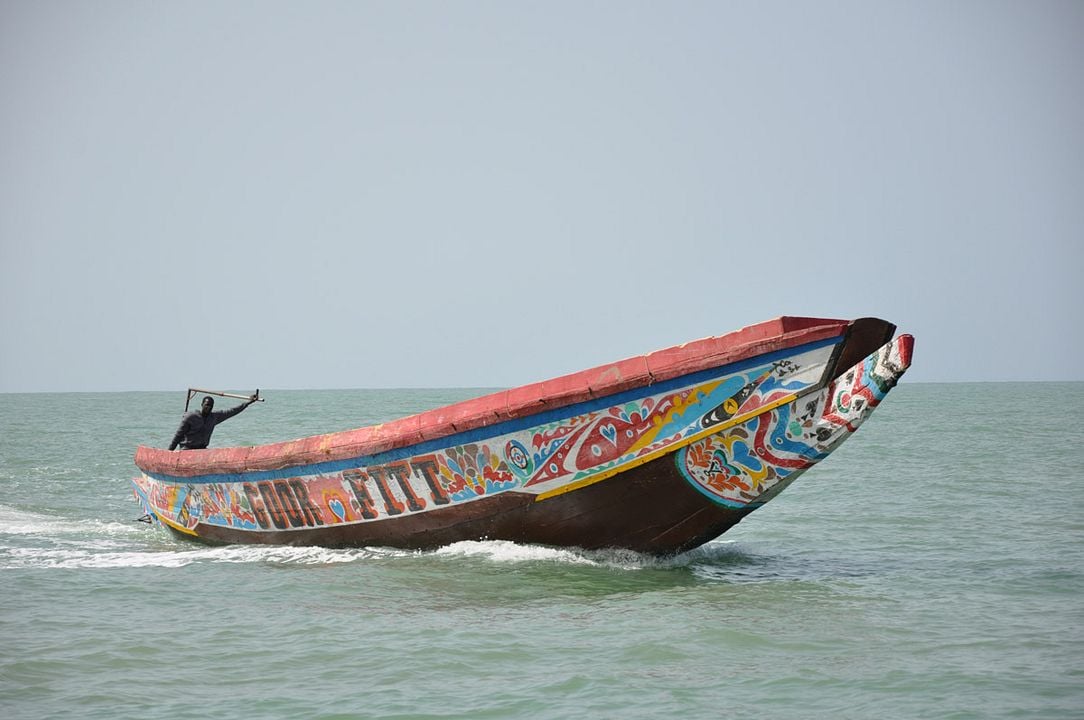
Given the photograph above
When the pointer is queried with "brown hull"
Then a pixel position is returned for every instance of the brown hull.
(649, 509)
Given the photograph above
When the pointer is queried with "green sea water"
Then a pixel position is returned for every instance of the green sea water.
(933, 567)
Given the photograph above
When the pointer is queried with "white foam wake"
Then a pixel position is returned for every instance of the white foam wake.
(510, 552)
(22, 522)
(75, 558)
(503, 551)
(34, 539)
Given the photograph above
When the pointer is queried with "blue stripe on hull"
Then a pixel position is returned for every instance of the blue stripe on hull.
(502, 428)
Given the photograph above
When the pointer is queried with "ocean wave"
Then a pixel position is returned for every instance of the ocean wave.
(23, 522)
(91, 557)
(504, 551)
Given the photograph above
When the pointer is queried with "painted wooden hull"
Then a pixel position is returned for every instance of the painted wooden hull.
(659, 453)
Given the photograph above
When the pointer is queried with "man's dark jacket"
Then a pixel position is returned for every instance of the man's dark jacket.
(195, 430)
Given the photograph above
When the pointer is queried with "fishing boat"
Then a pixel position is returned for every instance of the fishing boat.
(658, 453)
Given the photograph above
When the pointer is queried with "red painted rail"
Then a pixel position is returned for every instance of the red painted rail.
(770, 336)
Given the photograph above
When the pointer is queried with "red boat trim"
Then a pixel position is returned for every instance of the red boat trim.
(645, 370)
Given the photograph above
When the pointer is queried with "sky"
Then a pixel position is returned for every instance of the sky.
(485, 194)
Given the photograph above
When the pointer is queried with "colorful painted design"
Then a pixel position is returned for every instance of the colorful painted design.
(746, 465)
(471, 470)
(549, 458)
(519, 458)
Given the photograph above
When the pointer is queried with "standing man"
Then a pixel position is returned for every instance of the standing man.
(196, 427)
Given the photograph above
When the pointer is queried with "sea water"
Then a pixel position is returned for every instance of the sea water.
(933, 567)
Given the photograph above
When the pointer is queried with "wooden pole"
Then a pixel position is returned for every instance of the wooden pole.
(219, 393)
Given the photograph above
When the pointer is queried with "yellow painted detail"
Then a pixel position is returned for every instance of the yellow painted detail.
(176, 526)
(694, 396)
(666, 450)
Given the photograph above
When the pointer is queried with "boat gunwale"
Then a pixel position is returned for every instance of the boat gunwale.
(530, 400)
